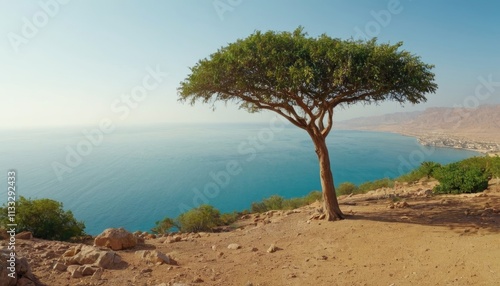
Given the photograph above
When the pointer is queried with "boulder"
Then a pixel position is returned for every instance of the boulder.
(154, 256)
(88, 255)
(24, 235)
(116, 239)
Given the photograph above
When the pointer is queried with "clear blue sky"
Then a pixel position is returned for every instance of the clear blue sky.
(82, 56)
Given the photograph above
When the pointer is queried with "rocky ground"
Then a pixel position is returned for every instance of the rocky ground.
(398, 236)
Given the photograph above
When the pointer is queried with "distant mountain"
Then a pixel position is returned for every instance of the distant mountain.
(479, 124)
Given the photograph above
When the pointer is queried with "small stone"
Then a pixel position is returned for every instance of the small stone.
(60, 267)
(234, 246)
(198, 280)
(74, 271)
(272, 249)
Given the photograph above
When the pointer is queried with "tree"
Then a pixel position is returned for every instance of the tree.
(202, 218)
(44, 218)
(163, 226)
(303, 79)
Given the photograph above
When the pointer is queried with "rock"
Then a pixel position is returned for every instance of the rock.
(27, 235)
(214, 247)
(88, 270)
(234, 246)
(198, 280)
(97, 274)
(154, 256)
(272, 249)
(60, 267)
(426, 193)
(92, 256)
(74, 271)
(116, 239)
(173, 239)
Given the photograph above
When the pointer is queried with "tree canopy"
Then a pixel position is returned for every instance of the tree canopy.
(304, 78)
(45, 218)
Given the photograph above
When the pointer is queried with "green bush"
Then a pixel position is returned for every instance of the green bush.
(272, 203)
(229, 218)
(163, 226)
(457, 178)
(426, 169)
(202, 218)
(45, 219)
(347, 188)
(377, 184)
(276, 202)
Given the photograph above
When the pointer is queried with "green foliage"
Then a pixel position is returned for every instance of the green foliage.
(229, 218)
(491, 165)
(202, 218)
(276, 202)
(426, 169)
(458, 178)
(377, 184)
(347, 188)
(163, 226)
(276, 69)
(45, 219)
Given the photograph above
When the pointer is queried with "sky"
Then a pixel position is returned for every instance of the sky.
(70, 62)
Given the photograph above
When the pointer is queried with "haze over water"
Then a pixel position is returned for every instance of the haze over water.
(137, 176)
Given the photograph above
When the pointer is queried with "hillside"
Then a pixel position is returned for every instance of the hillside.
(476, 129)
(393, 236)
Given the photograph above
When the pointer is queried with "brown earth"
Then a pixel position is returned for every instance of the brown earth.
(398, 236)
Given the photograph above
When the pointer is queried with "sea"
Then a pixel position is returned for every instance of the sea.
(132, 177)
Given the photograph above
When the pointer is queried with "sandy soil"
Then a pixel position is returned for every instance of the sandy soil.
(407, 239)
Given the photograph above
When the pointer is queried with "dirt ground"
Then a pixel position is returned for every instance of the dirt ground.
(400, 236)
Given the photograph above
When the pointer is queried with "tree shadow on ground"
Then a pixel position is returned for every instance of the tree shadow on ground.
(461, 214)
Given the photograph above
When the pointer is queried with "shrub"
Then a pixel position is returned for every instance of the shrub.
(229, 218)
(202, 218)
(272, 203)
(457, 178)
(45, 219)
(347, 188)
(373, 185)
(426, 169)
(163, 226)
(276, 202)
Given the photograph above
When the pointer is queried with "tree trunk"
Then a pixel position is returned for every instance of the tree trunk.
(330, 205)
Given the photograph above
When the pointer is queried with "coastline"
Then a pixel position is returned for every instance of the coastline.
(447, 141)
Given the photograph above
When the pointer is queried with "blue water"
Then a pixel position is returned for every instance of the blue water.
(137, 176)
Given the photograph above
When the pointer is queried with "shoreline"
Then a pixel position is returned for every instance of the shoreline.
(447, 141)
